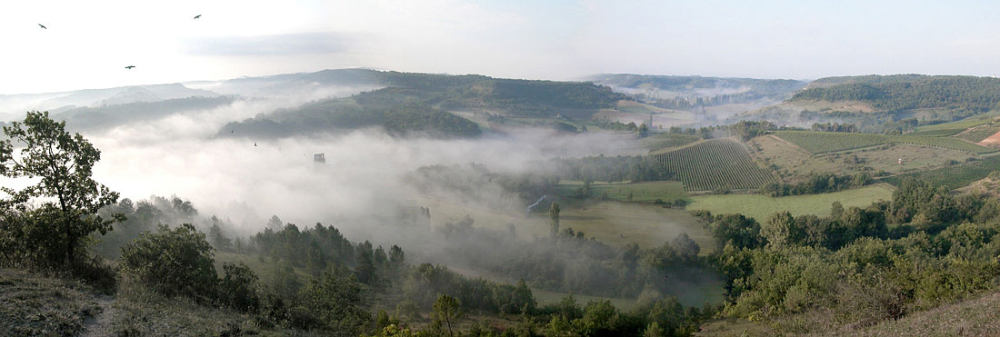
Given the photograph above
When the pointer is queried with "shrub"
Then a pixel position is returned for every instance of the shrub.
(865, 300)
(172, 262)
(238, 288)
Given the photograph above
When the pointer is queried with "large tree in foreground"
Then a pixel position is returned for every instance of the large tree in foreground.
(58, 168)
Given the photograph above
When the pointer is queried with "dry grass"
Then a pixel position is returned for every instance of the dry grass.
(140, 312)
(973, 317)
(35, 305)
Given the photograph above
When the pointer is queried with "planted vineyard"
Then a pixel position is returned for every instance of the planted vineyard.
(824, 142)
(718, 164)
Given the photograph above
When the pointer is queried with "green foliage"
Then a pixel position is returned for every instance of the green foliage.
(238, 288)
(426, 280)
(446, 311)
(817, 183)
(172, 262)
(334, 300)
(69, 197)
(315, 248)
(749, 129)
(715, 165)
(855, 265)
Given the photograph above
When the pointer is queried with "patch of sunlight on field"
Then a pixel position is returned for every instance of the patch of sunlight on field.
(761, 207)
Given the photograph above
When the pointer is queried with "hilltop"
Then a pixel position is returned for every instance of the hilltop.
(878, 103)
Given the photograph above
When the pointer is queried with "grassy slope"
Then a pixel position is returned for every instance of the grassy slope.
(794, 164)
(977, 134)
(972, 317)
(762, 207)
(142, 313)
(824, 142)
(33, 305)
(956, 176)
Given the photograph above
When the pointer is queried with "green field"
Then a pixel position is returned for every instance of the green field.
(823, 142)
(649, 191)
(611, 222)
(978, 133)
(619, 224)
(954, 176)
(762, 207)
(961, 124)
(718, 164)
(936, 132)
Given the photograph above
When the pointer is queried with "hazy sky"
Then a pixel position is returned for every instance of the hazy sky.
(88, 43)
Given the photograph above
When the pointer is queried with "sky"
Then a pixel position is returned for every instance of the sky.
(87, 44)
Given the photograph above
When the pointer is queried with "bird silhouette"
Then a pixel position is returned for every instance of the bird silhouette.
(196, 17)
(43, 26)
(129, 67)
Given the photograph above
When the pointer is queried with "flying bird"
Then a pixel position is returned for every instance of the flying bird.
(129, 67)
(196, 17)
(43, 26)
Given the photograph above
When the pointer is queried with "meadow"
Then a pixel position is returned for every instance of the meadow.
(762, 207)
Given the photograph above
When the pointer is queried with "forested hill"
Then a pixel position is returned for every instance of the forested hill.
(411, 102)
(508, 96)
(344, 114)
(675, 91)
(908, 92)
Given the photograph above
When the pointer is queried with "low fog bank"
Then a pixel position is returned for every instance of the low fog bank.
(248, 180)
(376, 187)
